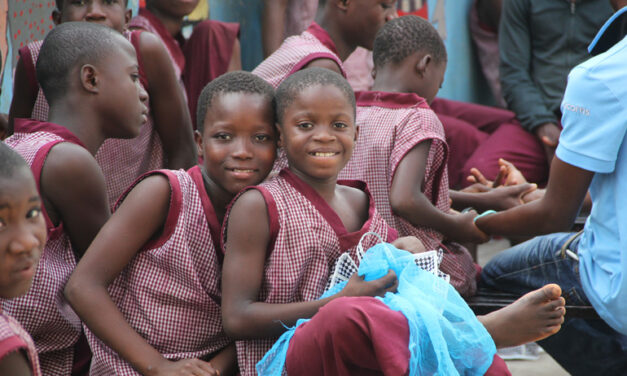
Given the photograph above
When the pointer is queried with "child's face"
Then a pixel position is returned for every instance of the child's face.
(238, 142)
(318, 132)
(122, 97)
(111, 13)
(22, 233)
(368, 17)
(173, 8)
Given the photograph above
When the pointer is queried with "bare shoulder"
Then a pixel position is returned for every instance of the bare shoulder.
(71, 164)
(249, 203)
(324, 63)
(152, 50)
(354, 197)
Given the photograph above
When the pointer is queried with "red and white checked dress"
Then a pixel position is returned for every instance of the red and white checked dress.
(306, 239)
(121, 160)
(170, 291)
(43, 311)
(390, 125)
(14, 338)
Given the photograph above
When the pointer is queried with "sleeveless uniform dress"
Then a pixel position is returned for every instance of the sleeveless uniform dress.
(306, 239)
(14, 338)
(43, 311)
(170, 291)
(121, 160)
(390, 125)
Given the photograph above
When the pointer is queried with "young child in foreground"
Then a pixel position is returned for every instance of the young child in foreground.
(165, 141)
(299, 223)
(22, 239)
(148, 287)
(89, 75)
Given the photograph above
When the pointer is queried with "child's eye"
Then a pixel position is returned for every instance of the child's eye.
(222, 136)
(2, 224)
(109, 2)
(340, 125)
(135, 77)
(305, 125)
(78, 2)
(33, 213)
(262, 137)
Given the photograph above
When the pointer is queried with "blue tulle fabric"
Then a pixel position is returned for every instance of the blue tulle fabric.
(445, 337)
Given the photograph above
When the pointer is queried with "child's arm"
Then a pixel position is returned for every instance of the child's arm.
(235, 63)
(167, 104)
(500, 198)
(243, 316)
(15, 364)
(555, 211)
(273, 25)
(138, 219)
(73, 185)
(24, 96)
(408, 201)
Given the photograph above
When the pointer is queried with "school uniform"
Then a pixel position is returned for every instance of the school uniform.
(390, 125)
(14, 338)
(43, 311)
(198, 60)
(121, 161)
(306, 239)
(170, 291)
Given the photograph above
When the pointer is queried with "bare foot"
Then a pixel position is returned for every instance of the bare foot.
(535, 316)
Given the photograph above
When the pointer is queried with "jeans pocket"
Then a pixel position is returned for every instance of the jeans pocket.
(573, 297)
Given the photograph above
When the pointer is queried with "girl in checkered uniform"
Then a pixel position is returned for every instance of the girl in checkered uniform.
(94, 96)
(282, 239)
(22, 238)
(148, 288)
(165, 140)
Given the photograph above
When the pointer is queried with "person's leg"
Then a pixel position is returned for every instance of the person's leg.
(513, 143)
(484, 118)
(581, 347)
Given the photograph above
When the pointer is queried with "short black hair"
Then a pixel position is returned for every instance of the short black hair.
(232, 82)
(10, 161)
(59, 4)
(68, 45)
(404, 36)
(297, 82)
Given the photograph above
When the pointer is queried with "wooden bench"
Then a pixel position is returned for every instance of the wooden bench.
(488, 300)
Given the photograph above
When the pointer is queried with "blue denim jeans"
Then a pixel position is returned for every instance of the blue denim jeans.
(582, 347)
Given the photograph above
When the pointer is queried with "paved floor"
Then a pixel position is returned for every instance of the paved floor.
(545, 365)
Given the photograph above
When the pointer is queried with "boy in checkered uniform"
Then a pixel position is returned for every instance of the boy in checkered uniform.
(148, 288)
(89, 74)
(22, 238)
(165, 140)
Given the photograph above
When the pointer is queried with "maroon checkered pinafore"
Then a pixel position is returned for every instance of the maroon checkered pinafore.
(170, 291)
(307, 237)
(390, 125)
(14, 338)
(121, 161)
(43, 311)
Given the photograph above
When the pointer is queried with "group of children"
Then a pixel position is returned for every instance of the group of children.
(199, 270)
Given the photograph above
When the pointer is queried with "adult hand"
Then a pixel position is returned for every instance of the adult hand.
(186, 367)
(410, 244)
(356, 285)
(549, 134)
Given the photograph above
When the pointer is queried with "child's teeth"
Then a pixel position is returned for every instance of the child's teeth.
(324, 154)
(238, 170)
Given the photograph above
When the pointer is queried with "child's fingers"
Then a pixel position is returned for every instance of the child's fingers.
(479, 177)
(387, 283)
(500, 178)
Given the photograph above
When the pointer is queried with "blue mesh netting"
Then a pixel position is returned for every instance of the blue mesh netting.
(445, 337)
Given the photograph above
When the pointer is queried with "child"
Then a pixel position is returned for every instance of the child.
(298, 224)
(165, 141)
(211, 50)
(22, 238)
(408, 173)
(148, 287)
(89, 75)
(590, 266)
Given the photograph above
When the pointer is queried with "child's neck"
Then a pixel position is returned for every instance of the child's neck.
(325, 188)
(79, 122)
(391, 80)
(172, 24)
(344, 48)
(219, 198)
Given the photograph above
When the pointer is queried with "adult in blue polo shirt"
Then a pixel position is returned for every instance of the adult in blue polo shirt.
(591, 267)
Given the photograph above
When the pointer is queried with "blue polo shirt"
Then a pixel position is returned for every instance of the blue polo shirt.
(595, 125)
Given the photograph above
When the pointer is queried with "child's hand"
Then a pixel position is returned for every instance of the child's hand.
(533, 195)
(504, 198)
(186, 367)
(410, 244)
(508, 174)
(466, 229)
(356, 285)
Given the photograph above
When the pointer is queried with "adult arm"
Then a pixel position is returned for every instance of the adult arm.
(142, 215)
(248, 236)
(408, 201)
(73, 185)
(167, 103)
(24, 96)
(519, 90)
(273, 25)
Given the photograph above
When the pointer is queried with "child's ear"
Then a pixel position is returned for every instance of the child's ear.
(89, 78)
(56, 16)
(279, 142)
(356, 135)
(343, 4)
(127, 17)
(423, 64)
(198, 139)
